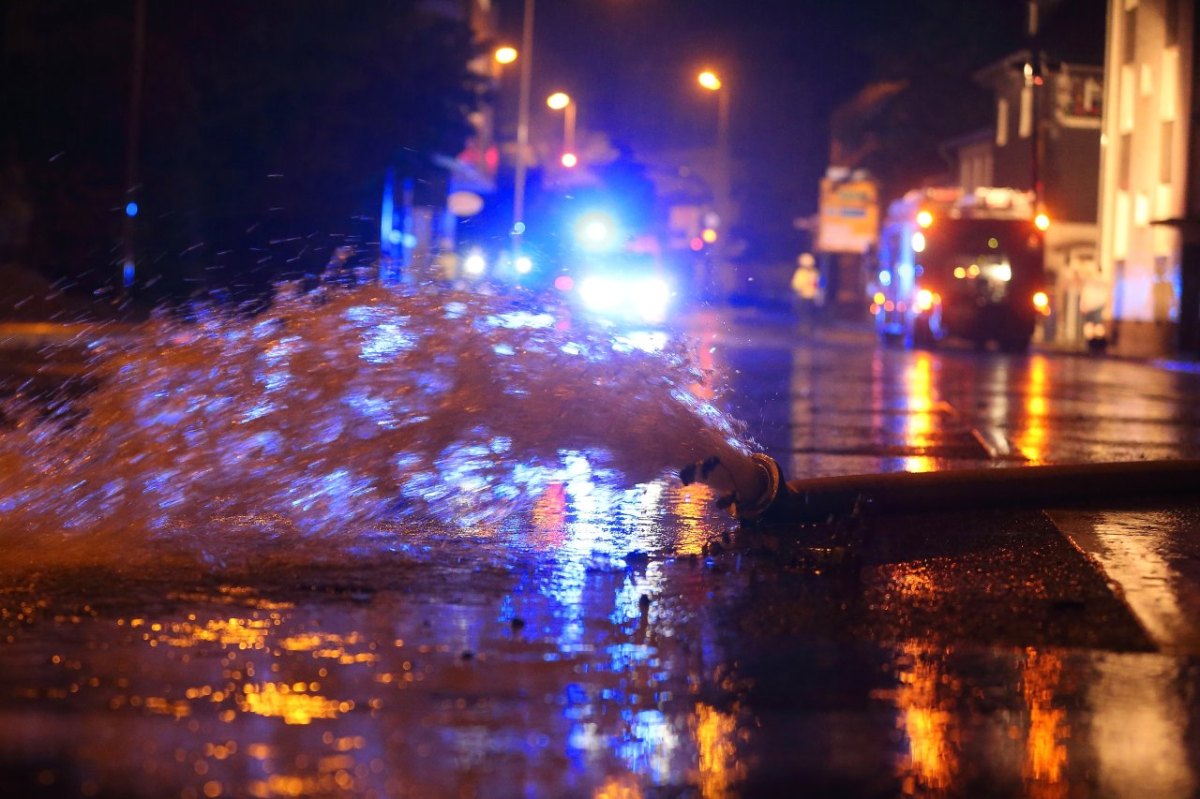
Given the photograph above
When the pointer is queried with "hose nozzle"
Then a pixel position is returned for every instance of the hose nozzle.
(746, 487)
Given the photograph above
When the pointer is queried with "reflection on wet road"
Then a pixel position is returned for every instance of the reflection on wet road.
(1154, 555)
(632, 643)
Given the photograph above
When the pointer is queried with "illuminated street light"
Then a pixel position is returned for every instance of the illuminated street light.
(561, 101)
(722, 185)
(505, 55)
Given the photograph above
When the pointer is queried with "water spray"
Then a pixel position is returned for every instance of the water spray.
(755, 491)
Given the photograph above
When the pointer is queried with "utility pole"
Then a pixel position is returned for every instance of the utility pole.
(133, 145)
(1034, 80)
(526, 59)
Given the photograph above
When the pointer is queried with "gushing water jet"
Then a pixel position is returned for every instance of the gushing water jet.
(327, 415)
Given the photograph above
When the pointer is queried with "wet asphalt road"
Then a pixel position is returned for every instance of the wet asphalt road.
(640, 644)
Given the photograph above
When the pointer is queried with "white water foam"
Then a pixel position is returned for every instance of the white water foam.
(337, 412)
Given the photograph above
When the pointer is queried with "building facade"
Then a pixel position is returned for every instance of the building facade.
(1144, 207)
(1045, 139)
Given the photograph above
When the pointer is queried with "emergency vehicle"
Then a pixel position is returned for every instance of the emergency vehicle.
(963, 265)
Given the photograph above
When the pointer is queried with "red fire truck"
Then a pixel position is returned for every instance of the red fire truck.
(963, 265)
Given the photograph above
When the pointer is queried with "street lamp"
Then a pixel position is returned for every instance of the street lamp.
(505, 55)
(561, 101)
(710, 81)
(713, 83)
(502, 56)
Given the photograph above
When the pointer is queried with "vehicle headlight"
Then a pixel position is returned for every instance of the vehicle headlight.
(651, 298)
(643, 299)
(599, 294)
(596, 230)
(475, 264)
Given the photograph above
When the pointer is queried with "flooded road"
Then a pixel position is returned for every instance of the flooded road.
(632, 642)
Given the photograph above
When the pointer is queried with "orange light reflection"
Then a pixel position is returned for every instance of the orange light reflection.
(550, 517)
(294, 706)
(1045, 748)
(688, 504)
(715, 734)
(1031, 440)
(919, 427)
(619, 787)
(926, 720)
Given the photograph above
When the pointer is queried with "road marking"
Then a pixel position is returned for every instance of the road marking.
(1141, 552)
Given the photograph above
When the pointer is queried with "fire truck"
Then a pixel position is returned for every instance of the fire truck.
(962, 265)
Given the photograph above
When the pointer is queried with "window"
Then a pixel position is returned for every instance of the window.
(1165, 145)
(1125, 161)
(1165, 207)
(1001, 122)
(1170, 83)
(1121, 221)
(1171, 17)
(1130, 33)
(1025, 126)
(1127, 98)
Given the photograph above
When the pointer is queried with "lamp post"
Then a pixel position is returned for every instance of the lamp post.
(710, 81)
(503, 56)
(561, 101)
(518, 228)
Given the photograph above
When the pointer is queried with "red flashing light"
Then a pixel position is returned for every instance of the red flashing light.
(564, 283)
(1042, 302)
(924, 301)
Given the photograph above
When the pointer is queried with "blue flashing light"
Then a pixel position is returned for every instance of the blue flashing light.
(127, 274)
(131, 209)
(885, 278)
(395, 236)
(596, 230)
